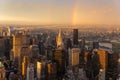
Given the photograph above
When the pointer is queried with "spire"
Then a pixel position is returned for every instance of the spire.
(59, 40)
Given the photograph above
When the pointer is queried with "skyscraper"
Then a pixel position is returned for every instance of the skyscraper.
(59, 55)
(75, 37)
(39, 67)
(59, 40)
(95, 45)
(30, 72)
(74, 56)
(69, 43)
(17, 44)
(20, 44)
(34, 51)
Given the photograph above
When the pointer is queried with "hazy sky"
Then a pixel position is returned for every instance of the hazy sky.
(60, 11)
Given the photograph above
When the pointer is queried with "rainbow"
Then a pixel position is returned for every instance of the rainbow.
(74, 17)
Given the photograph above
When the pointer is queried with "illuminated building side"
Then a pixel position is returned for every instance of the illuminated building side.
(103, 58)
(75, 56)
(2, 72)
(59, 55)
(39, 67)
(59, 40)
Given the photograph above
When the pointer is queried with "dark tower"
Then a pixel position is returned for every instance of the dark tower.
(95, 45)
(75, 36)
(69, 43)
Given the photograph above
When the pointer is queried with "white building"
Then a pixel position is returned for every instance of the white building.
(102, 74)
(30, 72)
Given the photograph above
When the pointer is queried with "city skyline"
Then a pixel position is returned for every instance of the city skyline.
(71, 12)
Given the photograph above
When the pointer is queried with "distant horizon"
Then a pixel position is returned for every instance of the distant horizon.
(32, 23)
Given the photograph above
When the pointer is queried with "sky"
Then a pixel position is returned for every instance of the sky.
(60, 11)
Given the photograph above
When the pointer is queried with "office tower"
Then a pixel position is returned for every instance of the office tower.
(10, 31)
(83, 43)
(112, 65)
(2, 72)
(25, 52)
(95, 45)
(5, 46)
(24, 65)
(75, 37)
(2, 47)
(30, 72)
(59, 55)
(41, 48)
(82, 58)
(59, 58)
(20, 39)
(59, 40)
(101, 75)
(49, 52)
(39, 68)
(8, 46)
(34, 51)
(17, 44)
(103, 58)
(11, 55)
(74, 56)
(51, 70)
(69, 43)
(12, 76)
(24, 60)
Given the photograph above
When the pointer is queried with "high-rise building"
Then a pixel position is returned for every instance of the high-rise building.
(95, 45)
(10, 31)
(51, 70)
(41, 48)
(74, 54)
(11, 55)
(69, 43)
(5, 46)
(34, 51)
(17, 44)
(11, 76)
(2, 47)
(2, 72)
(103, 59)
(112, 65)
(20, 40)
(82, 43)
(75, 36)
(24, 66)
(39, 68)
(30, 72)
(59, 55)
(59, 40)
